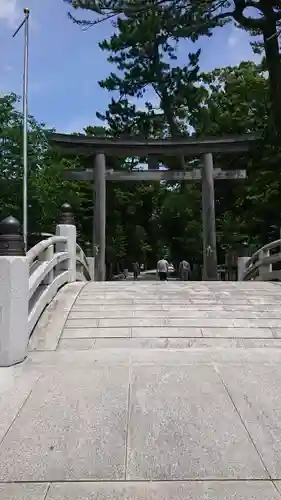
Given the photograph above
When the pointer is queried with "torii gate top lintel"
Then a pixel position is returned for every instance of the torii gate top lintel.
(83, 144)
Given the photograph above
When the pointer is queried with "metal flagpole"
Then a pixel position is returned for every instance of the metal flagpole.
(25, 23)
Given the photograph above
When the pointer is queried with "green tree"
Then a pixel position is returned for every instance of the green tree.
(260, 18)
(11, 167)
(237, 102)
(143, 48)
(47, 189)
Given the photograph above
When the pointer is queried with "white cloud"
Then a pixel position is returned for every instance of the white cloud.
(235, 37)
(9, 12)
(232, 41)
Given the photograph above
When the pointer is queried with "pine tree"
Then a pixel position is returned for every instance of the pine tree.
(199, 17)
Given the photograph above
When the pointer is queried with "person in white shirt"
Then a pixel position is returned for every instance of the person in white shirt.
(162, 269)
(184, 270)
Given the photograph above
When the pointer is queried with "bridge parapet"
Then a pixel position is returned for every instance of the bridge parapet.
(28, 283)
(260, 266)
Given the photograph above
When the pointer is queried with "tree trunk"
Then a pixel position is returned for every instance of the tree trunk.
(267, 25)
(273, 63)
(171, 119)
(165, 104)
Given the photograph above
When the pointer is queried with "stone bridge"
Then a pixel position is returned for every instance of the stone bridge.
(137, 390)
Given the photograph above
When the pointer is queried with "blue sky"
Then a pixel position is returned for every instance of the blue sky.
(66, 62)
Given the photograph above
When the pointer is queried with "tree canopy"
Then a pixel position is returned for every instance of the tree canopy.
(260, 18)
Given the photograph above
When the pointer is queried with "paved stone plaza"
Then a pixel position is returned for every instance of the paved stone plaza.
(147, 391)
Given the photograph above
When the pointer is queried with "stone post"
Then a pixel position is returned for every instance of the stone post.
(90, 260)
(242, 261)
(66, 227)
(209, 220)
(153, 162)
(264, 269)
(241, 267)
(100, 214)
(14, 294)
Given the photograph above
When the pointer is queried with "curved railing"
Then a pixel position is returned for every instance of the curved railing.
(49, 269)
(30, 280)
(260, 266)
(82, 264)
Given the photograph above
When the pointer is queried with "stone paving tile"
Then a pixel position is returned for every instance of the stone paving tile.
(250, 307)
(121, 307)
(254, 314)
(72, 427)
(200, 322)
(183, 426)
(16, 384)
(255, 390)
(184, 313)
(132, 322)
(278, 486)
(276, 332)
(173, 302)
(233, 301)
(61, 359)
(166, 332)
(194, 490)
(203, 356)
(73, 333)
(102, 314)
(145, 343)
(166, 343)
(193, 307)
(79, 344)
(97, 301)
(45, 360)
(263, 301)
(180, 309)
(237, 332)
(81, 323)
(258, 323)
(23, 491)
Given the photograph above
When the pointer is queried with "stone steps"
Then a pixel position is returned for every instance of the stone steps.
(174, 315)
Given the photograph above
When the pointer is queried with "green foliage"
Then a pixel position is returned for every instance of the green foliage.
(47, 189)
(237, 102)
(142, 50)
(11, 167)
(182, 19)
(194, 18)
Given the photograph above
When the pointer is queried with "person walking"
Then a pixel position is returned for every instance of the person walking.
(136, 270)
(125, 269)
(184, 270)
(162, 269)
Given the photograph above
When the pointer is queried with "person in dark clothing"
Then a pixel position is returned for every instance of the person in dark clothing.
(184, 269)
(136, 270)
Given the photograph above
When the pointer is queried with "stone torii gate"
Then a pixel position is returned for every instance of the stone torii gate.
(98, 148)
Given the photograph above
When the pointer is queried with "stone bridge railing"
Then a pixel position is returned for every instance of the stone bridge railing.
(28, 283)
(260, 266)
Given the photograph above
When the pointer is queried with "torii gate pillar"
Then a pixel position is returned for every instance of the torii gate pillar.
(209, 220)
(99, 237)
